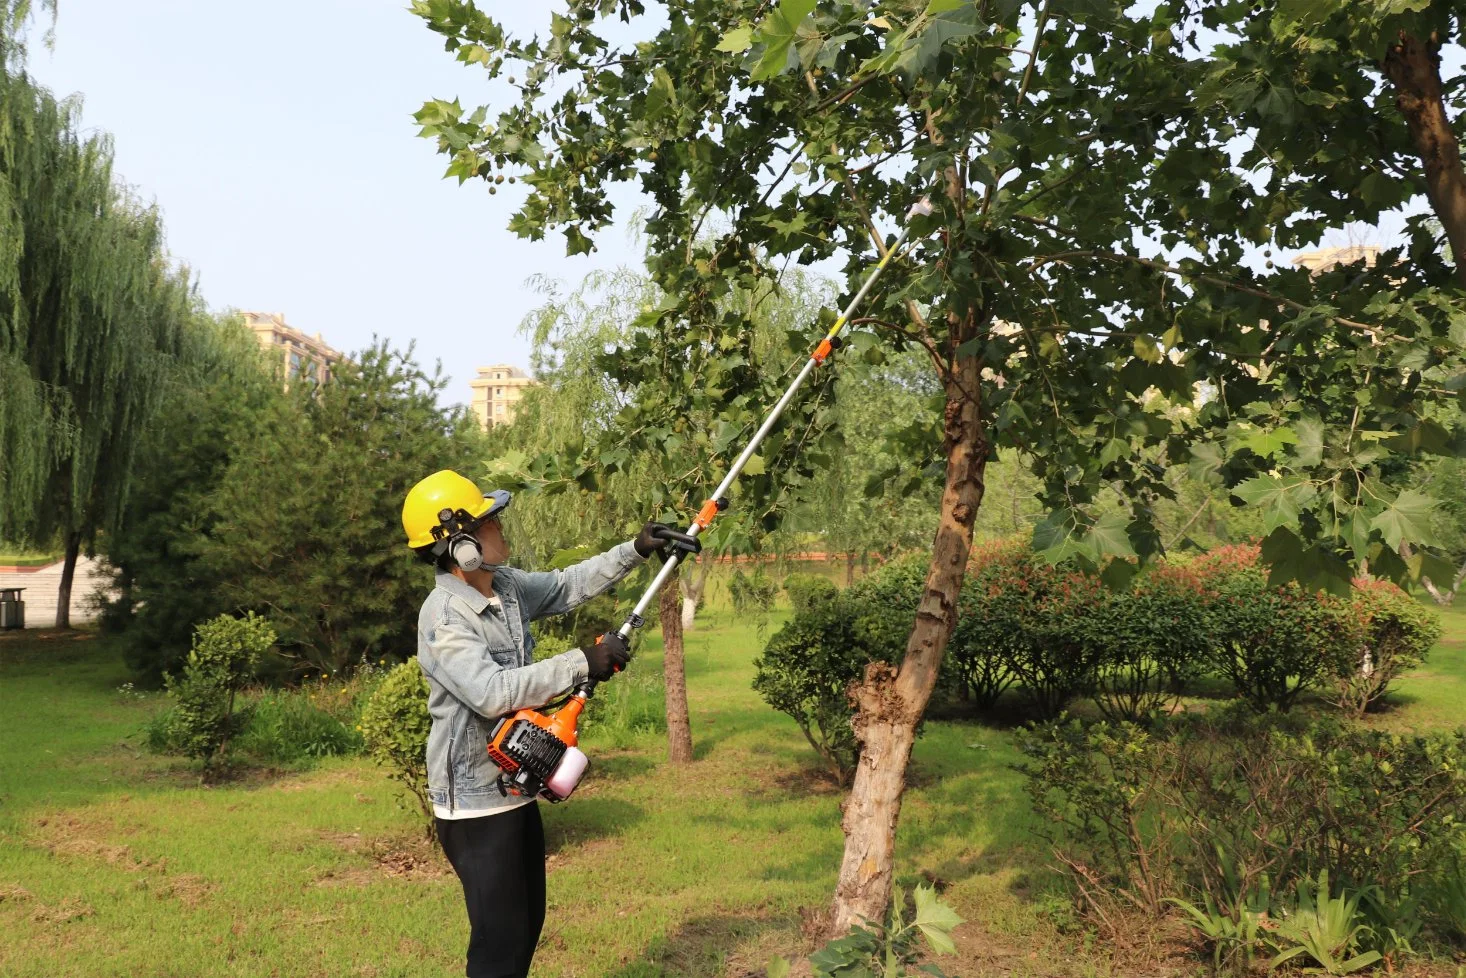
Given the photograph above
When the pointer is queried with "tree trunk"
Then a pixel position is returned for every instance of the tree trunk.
(696, 584)
(679, 724)
(1413, 66)
(850, 568)
(68, 572)
(890, 702)
(1443, 598)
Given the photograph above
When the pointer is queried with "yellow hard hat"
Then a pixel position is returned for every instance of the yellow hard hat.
(447, 492)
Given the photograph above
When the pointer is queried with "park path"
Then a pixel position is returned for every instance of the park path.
(41, 585)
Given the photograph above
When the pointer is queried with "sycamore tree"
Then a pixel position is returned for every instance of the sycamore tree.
(1084, 273)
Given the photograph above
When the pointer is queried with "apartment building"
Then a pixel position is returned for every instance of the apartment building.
(496, 393)
(300, 355)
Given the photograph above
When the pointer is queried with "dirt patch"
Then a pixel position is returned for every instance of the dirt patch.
(73, 838)
(64, 912)
(391, 857)
(806, 781)
(13, 893)
(571, 850)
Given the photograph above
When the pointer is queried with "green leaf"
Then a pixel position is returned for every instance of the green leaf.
(1265, 443)
(1118, 574)
(1308, 450)
(1408, 518)
(1281, 499)
(936, 920)
(1146, 349)
(777, 33)
(1282, 551)
(572, 555)
(754, 465)
(1109, 537)
(1114, 448)
(740, 39)
(777, 968)
(1425, 565)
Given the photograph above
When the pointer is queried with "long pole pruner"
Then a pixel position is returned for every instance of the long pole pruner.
(719, 500)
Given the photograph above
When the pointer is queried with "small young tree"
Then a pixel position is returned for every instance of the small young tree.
(609, 451)
(225, 652)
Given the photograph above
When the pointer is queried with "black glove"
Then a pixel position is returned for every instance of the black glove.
(654, 538)
(650, 541)
(607, 656)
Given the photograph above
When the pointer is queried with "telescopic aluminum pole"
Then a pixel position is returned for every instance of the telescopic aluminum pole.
(719, 501)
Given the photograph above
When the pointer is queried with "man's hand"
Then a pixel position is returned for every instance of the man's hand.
(607, 656)
(655, 538)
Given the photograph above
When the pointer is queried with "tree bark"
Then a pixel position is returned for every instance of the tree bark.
(696, 584)
(1447, 597)
(889, 701)
(1413, 66)
(1442, 598)
(68, 573)
(850, 568)
(679, 723)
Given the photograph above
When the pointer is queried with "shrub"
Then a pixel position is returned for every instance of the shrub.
(810, 663)
(224, 655)
(805, 590)
(286, 727)
(1146, 643)
(804, 672)
(548, 644)
(1022, 620)
(1272, 642)
(1396, 634)
(394, 725)
(1229, 807)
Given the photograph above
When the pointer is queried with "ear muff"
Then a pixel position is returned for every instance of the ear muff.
(467, 554)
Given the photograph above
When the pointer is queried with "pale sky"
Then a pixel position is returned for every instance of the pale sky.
(277, 138)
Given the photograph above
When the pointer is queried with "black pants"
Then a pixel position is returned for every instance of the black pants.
(500, 859)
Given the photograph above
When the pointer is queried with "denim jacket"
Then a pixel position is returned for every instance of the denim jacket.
(479, 666)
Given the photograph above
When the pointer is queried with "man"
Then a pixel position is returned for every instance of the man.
(474, 646)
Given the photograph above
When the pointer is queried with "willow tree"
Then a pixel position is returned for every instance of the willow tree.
(597, 427)
(91, 312)
(1080, 290)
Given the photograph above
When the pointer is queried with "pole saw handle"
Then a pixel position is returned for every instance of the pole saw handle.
(685, 543)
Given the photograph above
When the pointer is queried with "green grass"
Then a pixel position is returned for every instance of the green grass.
(27, 559)
(117, 862)
(1433, 696)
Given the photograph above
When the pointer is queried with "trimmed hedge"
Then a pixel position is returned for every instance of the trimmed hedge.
(809, 664)
(1055, 634)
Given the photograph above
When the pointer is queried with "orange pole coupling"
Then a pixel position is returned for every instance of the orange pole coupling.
(707, 514)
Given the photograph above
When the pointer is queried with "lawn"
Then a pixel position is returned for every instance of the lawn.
(116, 862)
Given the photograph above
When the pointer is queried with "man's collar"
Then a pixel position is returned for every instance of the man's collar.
(462, 589)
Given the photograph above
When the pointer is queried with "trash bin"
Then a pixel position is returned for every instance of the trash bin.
(12, 608)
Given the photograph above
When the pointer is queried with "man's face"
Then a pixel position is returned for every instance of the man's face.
(490, 536)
